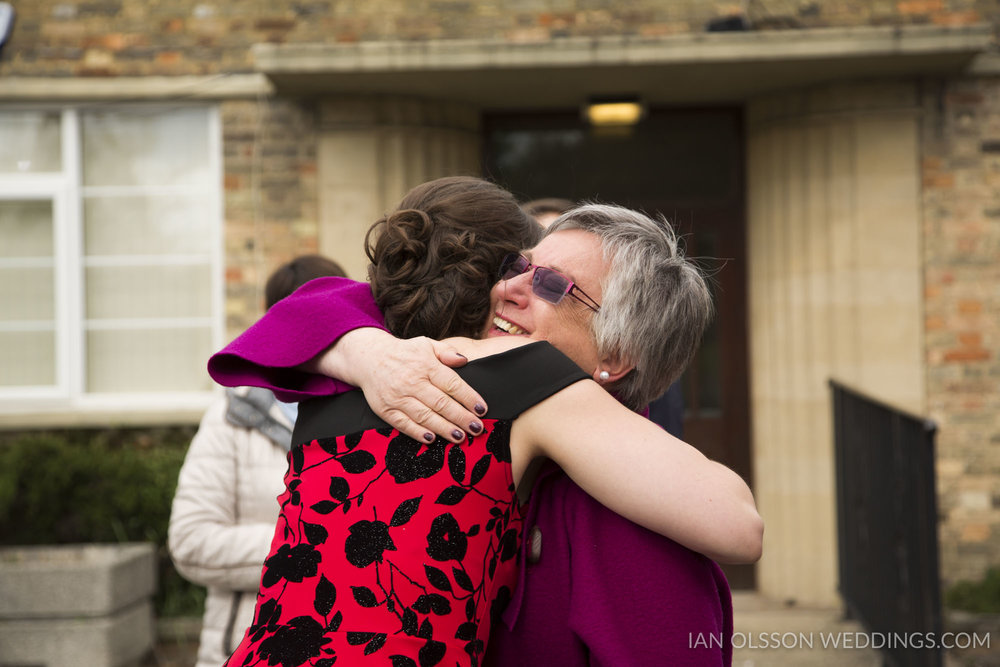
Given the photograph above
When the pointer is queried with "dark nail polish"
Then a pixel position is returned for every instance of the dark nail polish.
(429, 437)
(480, 409)
(475, 428)
(457, 435)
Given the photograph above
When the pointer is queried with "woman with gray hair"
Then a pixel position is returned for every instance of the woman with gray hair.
(656, 304)
(582, 259)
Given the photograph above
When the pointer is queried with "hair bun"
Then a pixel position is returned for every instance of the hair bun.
(434, 260)
(407, 232)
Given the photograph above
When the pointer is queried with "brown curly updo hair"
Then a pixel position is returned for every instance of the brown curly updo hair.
(435, 258)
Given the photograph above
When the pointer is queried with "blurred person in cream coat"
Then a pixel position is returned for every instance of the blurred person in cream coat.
(225, 507)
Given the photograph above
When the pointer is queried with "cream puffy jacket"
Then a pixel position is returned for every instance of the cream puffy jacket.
(224, 511)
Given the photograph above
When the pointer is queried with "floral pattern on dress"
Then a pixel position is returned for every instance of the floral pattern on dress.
(388, 551)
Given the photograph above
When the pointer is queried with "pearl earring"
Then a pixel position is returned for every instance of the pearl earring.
(604, 375)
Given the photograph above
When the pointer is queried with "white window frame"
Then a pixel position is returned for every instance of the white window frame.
(52, 189)
(66, 402)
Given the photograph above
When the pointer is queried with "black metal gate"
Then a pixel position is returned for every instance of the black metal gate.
(887, 526)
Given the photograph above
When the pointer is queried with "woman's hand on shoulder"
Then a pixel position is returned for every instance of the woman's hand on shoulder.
(407, 382)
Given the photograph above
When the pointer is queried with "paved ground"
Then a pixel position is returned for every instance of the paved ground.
(177, 644)
(767, 634)
(770, 634)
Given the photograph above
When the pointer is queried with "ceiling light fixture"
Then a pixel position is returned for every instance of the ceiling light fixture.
(614, 111)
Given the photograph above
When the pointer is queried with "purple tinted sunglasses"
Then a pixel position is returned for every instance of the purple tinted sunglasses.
(547, 284)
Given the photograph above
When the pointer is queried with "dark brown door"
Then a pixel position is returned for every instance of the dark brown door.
(688, 166)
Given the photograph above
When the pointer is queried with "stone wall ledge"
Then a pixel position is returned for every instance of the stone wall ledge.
(138, 88)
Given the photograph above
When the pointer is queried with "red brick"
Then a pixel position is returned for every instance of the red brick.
(975, 532)
(966, 245)
(939, 180)
(966, 98)
(114, 41)
(971, 339)
(919, 6)
(661, 29)
(168, 57)
(91, 71)
(971, 354)
(556, 21)
(274, 24)
(968, 17)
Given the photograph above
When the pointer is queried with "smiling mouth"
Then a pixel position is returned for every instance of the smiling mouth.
(508, 327)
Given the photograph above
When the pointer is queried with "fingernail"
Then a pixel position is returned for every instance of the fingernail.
(459, 354)
(457, 435)
(429, 437)
(480, 409)
(475, 428)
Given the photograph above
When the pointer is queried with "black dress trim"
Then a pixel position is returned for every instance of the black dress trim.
(510, 382)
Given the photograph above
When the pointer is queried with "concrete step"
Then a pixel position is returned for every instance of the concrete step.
(768, 633)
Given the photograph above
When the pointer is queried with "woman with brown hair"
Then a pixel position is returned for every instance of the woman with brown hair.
(434, 258)
(424, 534)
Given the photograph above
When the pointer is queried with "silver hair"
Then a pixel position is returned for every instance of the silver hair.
(655, 304)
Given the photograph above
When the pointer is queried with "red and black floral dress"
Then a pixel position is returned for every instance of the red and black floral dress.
(390, 551)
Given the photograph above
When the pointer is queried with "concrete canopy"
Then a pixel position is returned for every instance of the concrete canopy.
(683, 69)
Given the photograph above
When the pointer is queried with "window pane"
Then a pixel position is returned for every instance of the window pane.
(148, 360)
(131, 292)
(147, 252)
(29, 142)
(146, 225)
(27, 358)
(27, 294)
(26, 229)
(145, 147)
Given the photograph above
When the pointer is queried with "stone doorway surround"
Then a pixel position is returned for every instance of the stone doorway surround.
(834, 240)
(372, 150)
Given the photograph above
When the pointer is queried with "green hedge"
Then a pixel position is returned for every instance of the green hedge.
(977, 596)
(86, 485)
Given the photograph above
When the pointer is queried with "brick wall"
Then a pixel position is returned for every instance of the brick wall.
(961, 190)
(139, 37)
(270, 197)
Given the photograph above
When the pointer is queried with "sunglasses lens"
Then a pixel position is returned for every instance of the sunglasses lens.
(513, 265)
(549, 285)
